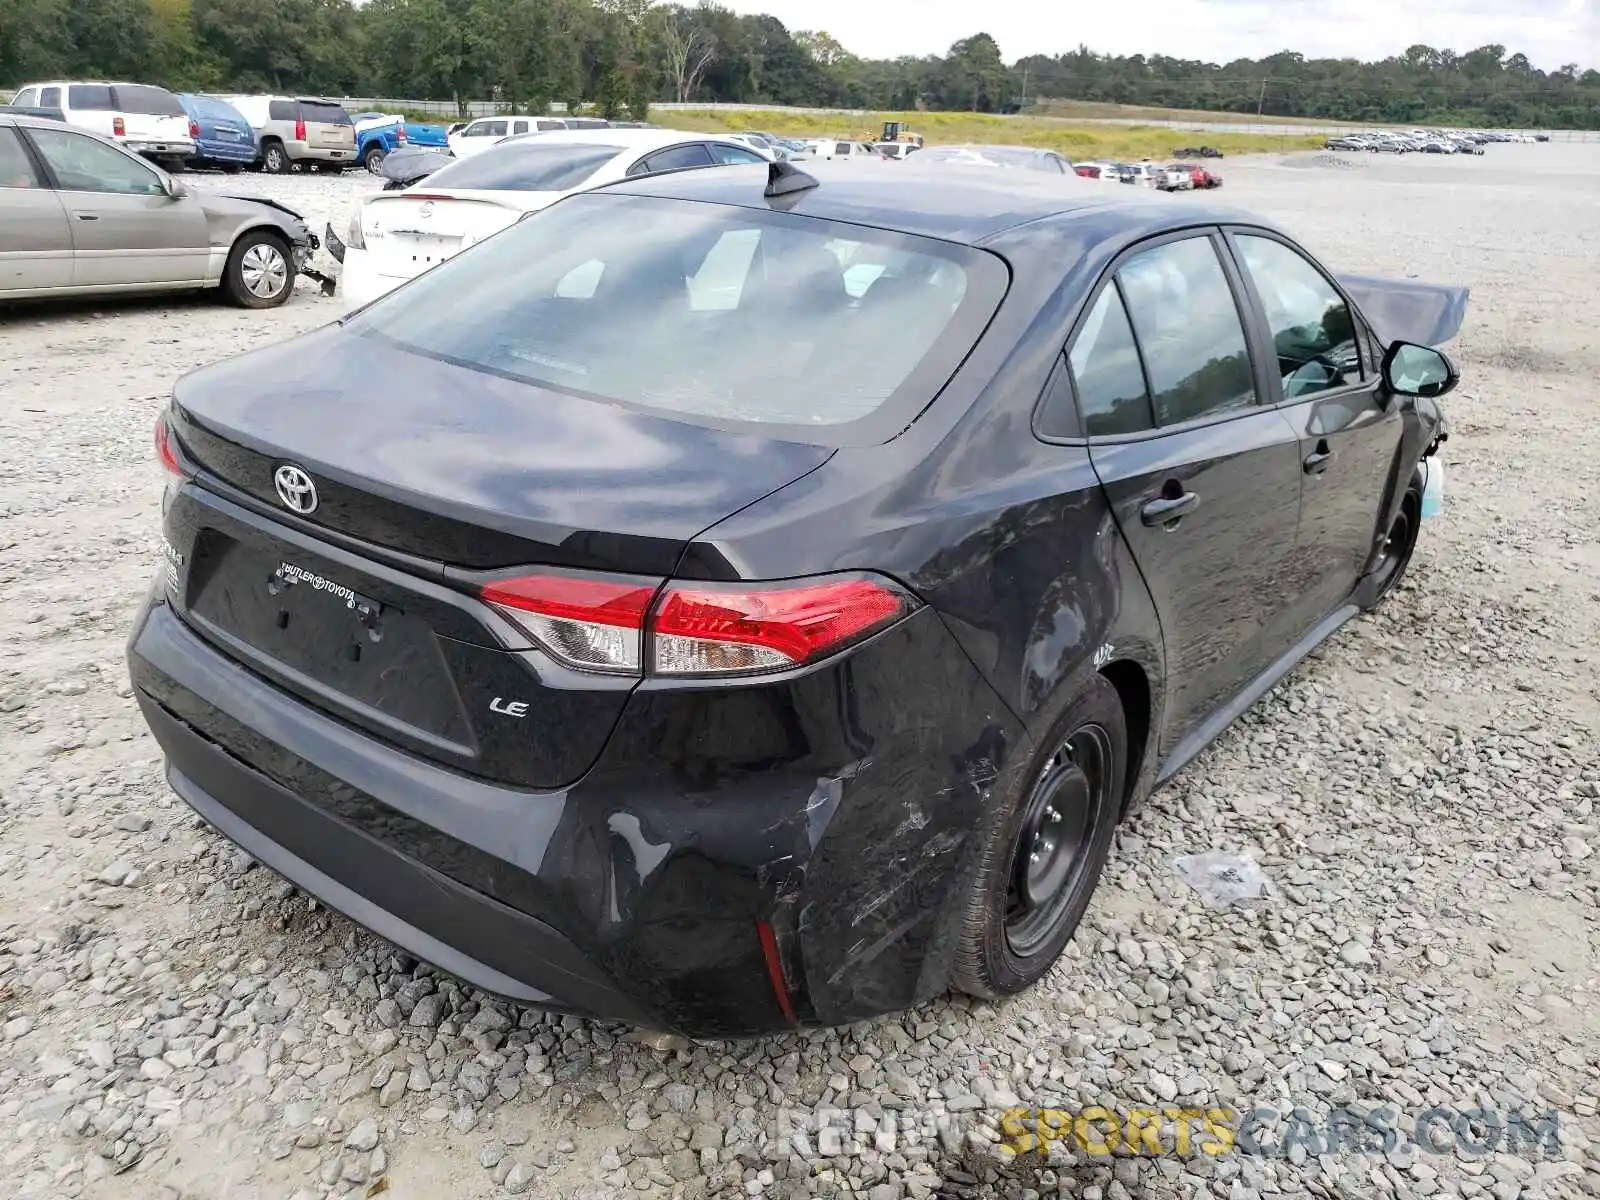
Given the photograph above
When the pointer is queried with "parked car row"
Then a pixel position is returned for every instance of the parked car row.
(1427, 141)
(231, 132)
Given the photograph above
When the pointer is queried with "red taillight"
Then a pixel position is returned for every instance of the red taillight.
(119, 127)
(400, 134)
(696, 630)
(593, 624)
(719, 630)
(164, 451)
(300, 131)
(194, 129)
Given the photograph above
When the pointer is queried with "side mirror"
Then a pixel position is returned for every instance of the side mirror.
(1413, 370)
(177, 189)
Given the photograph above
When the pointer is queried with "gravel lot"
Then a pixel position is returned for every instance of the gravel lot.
(177, 1022)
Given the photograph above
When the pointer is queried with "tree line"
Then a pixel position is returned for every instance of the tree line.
(622, 55)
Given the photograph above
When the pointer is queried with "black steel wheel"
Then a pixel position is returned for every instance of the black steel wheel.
(1045, 846)
(1398, 546)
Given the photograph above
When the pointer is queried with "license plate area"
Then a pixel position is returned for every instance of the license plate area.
(310, 630)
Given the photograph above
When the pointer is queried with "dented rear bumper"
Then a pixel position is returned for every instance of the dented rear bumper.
(740, 860)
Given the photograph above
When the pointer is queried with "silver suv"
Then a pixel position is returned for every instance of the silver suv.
(295, 131)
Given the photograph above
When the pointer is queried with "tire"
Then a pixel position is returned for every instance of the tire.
(1398, 547)
(274, 158)
(173, 166)
(330, 168)
(373, 159)
(260, 271)
(1006, 943)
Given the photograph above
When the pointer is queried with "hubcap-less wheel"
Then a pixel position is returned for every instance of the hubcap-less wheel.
(1397, 545)
(1052, 850)
(264, 270)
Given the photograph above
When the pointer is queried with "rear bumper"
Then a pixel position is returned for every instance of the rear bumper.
(164, 147)
(360, 283)
(812, 818)
(298, 151)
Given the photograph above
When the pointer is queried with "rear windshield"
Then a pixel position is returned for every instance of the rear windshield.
(721, 313)
(90, 97)
(147, 101)
(326, 114)
(530, 166)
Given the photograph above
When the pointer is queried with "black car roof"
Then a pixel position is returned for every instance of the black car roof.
(958, 203)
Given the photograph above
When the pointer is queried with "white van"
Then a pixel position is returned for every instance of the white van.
(147, 120)
(486, 131)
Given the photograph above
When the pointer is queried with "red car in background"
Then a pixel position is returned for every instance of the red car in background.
(1204, 178)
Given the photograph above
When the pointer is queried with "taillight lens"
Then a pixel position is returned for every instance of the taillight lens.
(119, 127)
(164, 451)
(733, 630)
(400, 134)
(593, 623)
(354, 239)
(299, 131)
(194, 129)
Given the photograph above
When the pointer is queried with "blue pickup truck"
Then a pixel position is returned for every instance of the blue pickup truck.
(379, 135)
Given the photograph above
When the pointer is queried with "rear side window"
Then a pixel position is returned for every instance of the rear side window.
(704, 310)
(50, 98)
(530, 166)
(147, 101)
(1183, 313)
(280, 110)
(676, 158)
(842, 148)
(1106, 374)
(90, 97)
(547, 126)
(16, 169)
(732, 155)
(324, 114)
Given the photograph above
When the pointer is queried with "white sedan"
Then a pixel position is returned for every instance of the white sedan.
(396, 236)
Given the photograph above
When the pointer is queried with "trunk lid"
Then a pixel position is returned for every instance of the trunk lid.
(408, 232)
(427, 476)
(147, 127)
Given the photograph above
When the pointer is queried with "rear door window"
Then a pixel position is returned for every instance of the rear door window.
(16, 168)
(530, 166)
(90, 97)
(1187, 323)
(146, 101)
(1106, 372)
(280, 110)
(50, 98)
(678, 158)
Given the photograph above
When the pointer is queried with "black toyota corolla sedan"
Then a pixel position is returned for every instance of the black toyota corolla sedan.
(733, 600)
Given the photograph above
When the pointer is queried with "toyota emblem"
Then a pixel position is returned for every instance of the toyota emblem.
(295, 489)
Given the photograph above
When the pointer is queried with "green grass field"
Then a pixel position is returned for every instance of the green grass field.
(1076, 140)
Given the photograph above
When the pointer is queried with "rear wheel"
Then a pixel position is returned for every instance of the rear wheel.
(373, 159)
(1398, 546)
(1045, 848)
(274, 158)
(260, 271)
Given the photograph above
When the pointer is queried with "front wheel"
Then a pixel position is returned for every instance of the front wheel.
(1045, 847)
(1398, 546)
(260, 271)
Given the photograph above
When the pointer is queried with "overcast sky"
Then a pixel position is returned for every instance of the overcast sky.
(1549, 32)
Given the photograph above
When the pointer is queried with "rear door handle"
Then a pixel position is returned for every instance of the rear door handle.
(1317, 461)
(1166, 510)
(83, 216)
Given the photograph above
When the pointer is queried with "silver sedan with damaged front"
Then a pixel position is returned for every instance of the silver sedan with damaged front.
(81, 216)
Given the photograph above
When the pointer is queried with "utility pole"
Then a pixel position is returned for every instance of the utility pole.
(1023, 99)
(1261, 102)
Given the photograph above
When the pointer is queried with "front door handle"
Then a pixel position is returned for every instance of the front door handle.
(1317, 461)
(1168, 509)
(87, 216)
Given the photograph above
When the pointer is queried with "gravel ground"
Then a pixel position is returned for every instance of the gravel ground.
(175, 1021)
